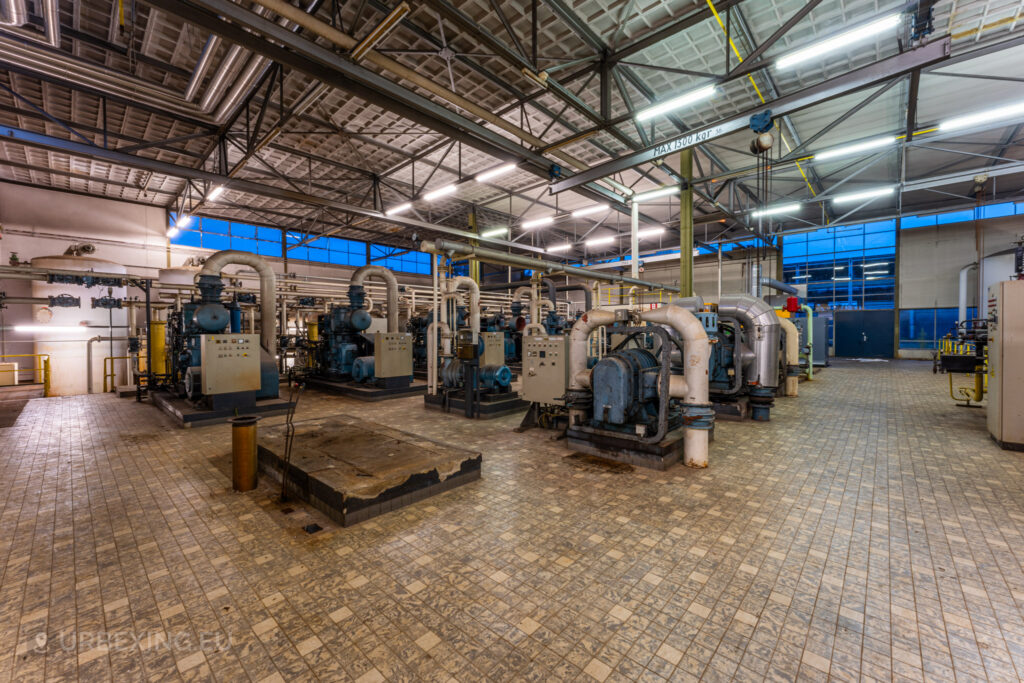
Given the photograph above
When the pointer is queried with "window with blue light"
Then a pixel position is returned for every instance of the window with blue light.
(924, 328)
(399, 259)
(217, 234)
(987, 211)
(848, 266)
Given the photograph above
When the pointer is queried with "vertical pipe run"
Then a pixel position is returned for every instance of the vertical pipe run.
(243, 452)
(686, 224)
(634, 239)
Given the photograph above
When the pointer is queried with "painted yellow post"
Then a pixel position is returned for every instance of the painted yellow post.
(686, 224)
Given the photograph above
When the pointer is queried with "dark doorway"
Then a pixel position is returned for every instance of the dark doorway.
(864, 333)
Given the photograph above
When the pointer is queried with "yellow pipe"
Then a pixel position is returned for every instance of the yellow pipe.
(158, 346)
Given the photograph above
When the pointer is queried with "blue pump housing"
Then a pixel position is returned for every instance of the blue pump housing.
(625, 389)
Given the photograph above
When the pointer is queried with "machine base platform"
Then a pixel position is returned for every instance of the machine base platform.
(731, 410)
(351, 469)
(186, 415)
(366, 392)
(621, 448)
(491, 405)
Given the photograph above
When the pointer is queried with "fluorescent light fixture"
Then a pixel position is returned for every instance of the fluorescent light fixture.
(841, 279)
(589, 210)
(598, 241)
(184, 220)
(439, 192)
(560, 247)
(1004, 112)
(172, 231)
(800, 277)
(877, 263)
(496, 232)
(775, 210)
(649, 232)
(838, 267)
(537, 222)
(866, 194)
(49, 328)
(691, 97)
(876, 272)
(495, 173)
(840, 42)
(654, 194)
(873, 278)
(215, 193)
(401, 208)
(856, 148)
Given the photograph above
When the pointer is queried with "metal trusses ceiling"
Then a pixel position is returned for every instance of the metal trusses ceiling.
(356, 150)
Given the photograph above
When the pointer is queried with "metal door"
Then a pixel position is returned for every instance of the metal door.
(864, 333)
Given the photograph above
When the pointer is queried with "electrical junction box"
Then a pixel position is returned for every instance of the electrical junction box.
(392, 354)
(545, 369)
(494, 348)
(8, 374)
(230, 363)
(1006, 363)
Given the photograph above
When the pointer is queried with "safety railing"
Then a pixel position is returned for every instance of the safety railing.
(40, 368)
(110, 373)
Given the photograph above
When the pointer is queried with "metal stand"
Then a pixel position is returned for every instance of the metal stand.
(295, 390)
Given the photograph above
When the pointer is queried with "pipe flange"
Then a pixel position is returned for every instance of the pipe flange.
(698, 415)
(579, 399)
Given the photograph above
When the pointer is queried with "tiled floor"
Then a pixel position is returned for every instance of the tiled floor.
(870, 531)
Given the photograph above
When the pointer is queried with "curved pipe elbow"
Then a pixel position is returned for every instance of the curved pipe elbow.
(696, 349)
(363, 272)
(462, 281)
(268, 285)
(578, 337)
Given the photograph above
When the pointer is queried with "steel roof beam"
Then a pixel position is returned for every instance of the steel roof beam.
(42, 141)
(853, 81)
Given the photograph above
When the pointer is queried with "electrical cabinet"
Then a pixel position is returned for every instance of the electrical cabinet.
(8, 374)
(545, 369)
(392, 354)
(1005, 315)
(230, 363)
(494, 348)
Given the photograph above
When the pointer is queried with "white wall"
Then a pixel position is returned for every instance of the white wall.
(931, 259)
(35, 222)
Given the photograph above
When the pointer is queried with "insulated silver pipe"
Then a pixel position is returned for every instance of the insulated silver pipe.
(13, 13)
(219, 81)
(447, 247)
(763, 334)
(202, 66)
(391, 281)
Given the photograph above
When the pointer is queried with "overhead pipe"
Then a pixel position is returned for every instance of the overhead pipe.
(13, 13)
(218, 83)
(588, 300)
(202, 66)
(449, 248)
(779, 286)
(51, 16)
(961, 311)
(268, 301)
(552, 289)
(363, 272)
(348, 43)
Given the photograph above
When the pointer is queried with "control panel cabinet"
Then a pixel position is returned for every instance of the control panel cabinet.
(230, 363)
(392, 354)
(545, 369)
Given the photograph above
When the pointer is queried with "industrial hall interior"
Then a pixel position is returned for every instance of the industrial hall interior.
(511, 340)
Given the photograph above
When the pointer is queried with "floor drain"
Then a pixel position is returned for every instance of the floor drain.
(287, 511)
(312, 528)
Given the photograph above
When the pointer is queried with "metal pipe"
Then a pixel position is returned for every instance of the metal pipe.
(51, 15)
(780, 286)
(694, 393)
(447, 247)
(391, 281)
(792, 387)
(219, 81)
(810, 340)
(13, 13)
(762, 332)
(268, 302)
(202, 66)
(462, 281)
(243, 82)
(88, 357)
(244, 465)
